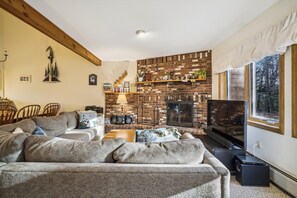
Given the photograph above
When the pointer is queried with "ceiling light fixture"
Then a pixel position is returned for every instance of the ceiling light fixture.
(140, 33)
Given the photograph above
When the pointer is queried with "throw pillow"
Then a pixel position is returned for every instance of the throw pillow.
(87, 119)
(187, 136)
(52, 126)
(18, 130)
(176, 152)
(11, 146)
(27, 125)
(53, 149)
(38, 131)
(158, 135)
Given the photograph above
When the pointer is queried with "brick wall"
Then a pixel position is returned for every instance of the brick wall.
(155, 95)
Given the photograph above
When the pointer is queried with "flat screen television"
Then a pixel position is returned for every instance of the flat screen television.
(227, 122)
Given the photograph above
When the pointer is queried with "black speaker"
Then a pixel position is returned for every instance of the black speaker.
(128, 119)
(120, 119)
(113, 119)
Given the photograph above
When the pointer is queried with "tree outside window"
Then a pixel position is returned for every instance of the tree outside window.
(265, 87)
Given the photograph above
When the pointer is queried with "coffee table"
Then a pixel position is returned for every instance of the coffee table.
(128, 134)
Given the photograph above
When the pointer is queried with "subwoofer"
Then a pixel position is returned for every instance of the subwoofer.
(128, 119)
(113, 119)
(120, 119)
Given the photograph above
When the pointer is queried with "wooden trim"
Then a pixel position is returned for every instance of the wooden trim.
(222, 85)
(29, 15)
(267, 127)
(252, 121)
(294, 91)
(282, 94)
(219, 85)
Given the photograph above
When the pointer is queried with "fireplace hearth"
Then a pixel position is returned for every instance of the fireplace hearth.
(180, 113)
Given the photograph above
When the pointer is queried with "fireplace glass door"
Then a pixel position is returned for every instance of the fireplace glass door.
(180, 114)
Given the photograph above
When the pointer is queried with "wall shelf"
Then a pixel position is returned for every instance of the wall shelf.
(124, 93)
(167, 81)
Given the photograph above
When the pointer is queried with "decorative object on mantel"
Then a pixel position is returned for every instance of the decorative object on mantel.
(107, 87)
(140, 76)
(51, 71)
(5, 57)
(92, 79)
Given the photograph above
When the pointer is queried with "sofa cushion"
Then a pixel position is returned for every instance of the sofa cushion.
(72, 119)
(11, 146)
(26, 125)
(53, 149)
(80, 134)
(176, 152)
(52, 126)
(87, 119)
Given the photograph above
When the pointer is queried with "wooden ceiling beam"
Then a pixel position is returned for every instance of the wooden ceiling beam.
(28, 14)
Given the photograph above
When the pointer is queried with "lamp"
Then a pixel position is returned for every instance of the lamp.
(122, 100)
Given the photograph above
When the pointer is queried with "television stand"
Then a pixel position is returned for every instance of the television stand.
(224, 154)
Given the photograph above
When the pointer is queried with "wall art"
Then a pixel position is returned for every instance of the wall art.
(51, 73)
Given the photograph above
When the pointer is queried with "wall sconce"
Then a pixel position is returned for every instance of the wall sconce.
(5, 57)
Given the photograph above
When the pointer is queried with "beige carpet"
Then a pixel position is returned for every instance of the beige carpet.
(238, 191)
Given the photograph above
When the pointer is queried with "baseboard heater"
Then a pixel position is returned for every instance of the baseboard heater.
(283, 180)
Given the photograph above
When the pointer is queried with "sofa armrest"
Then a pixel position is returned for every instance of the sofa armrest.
(221, 169)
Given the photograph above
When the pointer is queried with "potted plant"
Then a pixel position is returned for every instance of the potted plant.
(140, 76)
(200, 74)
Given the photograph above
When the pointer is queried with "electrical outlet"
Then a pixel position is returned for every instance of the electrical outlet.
(259, 145)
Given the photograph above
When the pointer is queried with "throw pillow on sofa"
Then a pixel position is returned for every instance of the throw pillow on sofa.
(158, 135)
(38, 131)
(87, 119)
(11, 146)
(52, 126)
(177, 152)
(53, 149)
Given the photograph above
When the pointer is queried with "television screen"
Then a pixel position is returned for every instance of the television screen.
(227, 118)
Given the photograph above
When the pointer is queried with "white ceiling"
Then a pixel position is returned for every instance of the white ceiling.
(107, 27)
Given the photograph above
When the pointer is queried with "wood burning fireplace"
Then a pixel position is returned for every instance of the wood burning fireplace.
(180, 113)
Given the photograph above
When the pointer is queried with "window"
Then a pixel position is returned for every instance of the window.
(235, 81)
(266, 93)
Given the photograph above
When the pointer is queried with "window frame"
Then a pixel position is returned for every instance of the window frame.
(294, 91)
(260, 123)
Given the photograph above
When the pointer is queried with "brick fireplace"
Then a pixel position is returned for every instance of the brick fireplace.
(150, 105)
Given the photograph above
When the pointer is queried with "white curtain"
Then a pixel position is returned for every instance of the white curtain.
(273, 40)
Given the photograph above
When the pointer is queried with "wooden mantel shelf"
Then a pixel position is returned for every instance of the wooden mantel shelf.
(166, 81)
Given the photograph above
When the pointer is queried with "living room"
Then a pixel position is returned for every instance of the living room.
(28, 57)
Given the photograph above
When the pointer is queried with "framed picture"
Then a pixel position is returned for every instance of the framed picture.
(92, 79)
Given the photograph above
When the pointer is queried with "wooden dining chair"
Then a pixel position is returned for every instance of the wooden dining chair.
(51, 109)
(7, 113)
(27, 112)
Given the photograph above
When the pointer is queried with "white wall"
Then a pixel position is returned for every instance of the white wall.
(27, 55)
(279, 150)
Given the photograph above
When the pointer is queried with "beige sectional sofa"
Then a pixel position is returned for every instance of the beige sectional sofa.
(65, 125)
(58, 167)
